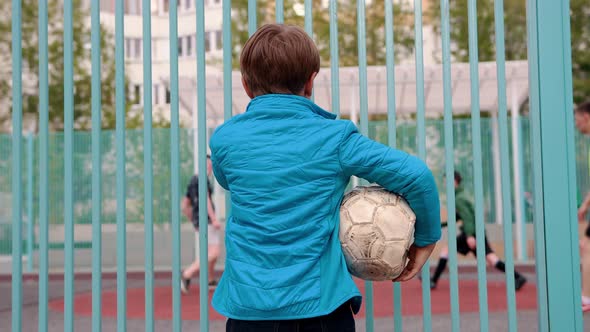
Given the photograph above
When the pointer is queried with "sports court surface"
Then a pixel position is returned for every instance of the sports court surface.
(383, 304)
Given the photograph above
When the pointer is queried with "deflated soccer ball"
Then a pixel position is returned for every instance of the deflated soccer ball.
(376, 232)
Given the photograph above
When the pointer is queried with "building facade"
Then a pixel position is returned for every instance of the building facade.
(160, 39)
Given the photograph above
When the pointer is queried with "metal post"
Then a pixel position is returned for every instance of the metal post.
(556, 232)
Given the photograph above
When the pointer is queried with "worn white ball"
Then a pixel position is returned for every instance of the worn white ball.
(376, 232)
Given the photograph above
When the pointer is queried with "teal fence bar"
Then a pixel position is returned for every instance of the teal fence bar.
(252, 23)
(96, 170)
(148, 173)
(449, 166)
(280, 11)
(121, 194)
(202, 169)
(69, 165)
(391, 131)
(17, 118)
(43, 167)
(175, 162)
(30, 217)
(477, 166)
(550, 87)
(504, 164)
(334, 58)
(227, 76)
(421, 138)
(364, 128)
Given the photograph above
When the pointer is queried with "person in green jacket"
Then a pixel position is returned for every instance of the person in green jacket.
(466, 242)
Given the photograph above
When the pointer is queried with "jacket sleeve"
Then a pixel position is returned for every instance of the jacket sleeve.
(218, 172)
(397, 172)
(464, 213)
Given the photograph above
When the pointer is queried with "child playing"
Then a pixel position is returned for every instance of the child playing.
(286, 163)
(466, 242)
(190, 208)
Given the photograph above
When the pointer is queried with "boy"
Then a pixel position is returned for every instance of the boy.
(466, 242)
(286, 163)
(190, 208)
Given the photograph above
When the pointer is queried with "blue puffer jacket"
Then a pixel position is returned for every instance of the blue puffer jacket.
(286, 163)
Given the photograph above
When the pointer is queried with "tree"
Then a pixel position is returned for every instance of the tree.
(580, 32)
(82, 68)
(516, 35)
(347, 28)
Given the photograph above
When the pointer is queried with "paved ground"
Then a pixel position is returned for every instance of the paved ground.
(412, 319)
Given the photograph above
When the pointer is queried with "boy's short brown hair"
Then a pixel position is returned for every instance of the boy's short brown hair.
(278, 59)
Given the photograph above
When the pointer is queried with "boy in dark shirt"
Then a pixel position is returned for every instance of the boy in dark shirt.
(190, 208)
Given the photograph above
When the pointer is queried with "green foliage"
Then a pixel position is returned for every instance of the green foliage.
(580, 32)
(514, 29)
(82, 69)
(516, 35)
(347, 28)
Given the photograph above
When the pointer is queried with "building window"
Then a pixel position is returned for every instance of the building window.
(136, 94)
(133, 48)
(219, 39)
(137, 50)
(207, 41)
(107, 6)
(156, 95)
(180, 48)
(189, 45)
(167, 96)
(187, 4)
(133, 7)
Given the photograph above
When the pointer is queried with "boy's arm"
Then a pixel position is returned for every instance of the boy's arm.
(397, 172)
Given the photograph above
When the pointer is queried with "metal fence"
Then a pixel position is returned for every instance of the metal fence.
(407, 141)
(551, 153)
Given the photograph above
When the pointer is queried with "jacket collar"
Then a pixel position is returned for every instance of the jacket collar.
(270, 101)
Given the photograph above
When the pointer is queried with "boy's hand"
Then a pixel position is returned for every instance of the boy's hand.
(471, 242)
(417, 257)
